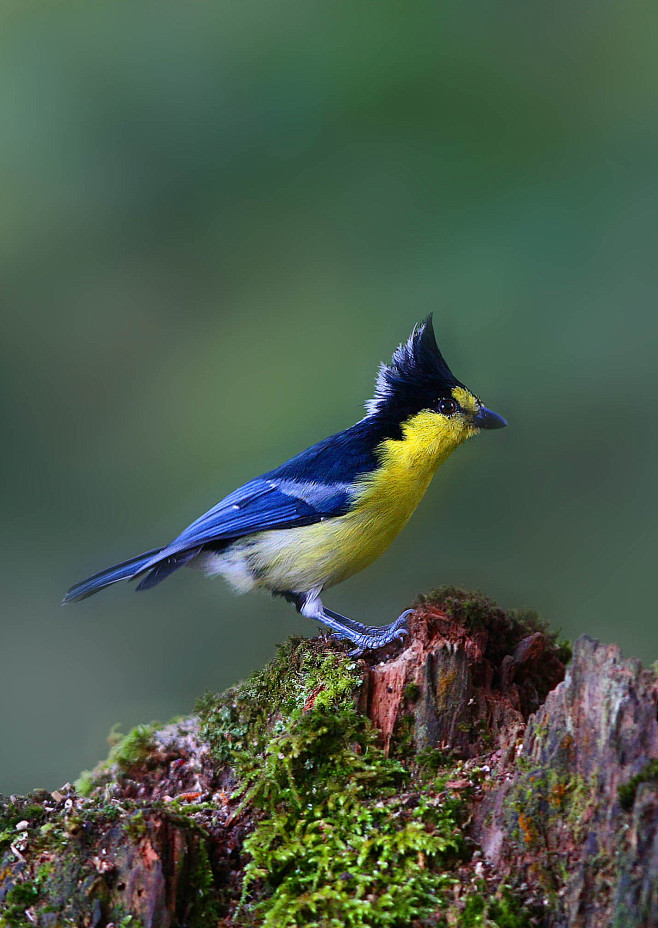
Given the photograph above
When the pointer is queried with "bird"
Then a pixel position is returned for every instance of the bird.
(331, 510)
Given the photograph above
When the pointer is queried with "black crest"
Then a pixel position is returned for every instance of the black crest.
(416, 377)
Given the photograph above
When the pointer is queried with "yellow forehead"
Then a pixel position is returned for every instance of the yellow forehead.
(466, 400)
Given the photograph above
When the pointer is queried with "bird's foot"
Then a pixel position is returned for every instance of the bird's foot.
(364, 637)
(367, 637)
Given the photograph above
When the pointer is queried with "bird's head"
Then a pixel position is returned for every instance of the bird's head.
(419, 392)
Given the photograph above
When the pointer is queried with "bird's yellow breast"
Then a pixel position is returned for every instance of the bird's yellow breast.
(329, 551)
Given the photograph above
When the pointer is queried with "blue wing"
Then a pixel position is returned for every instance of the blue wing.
(316, 484)
(262, 504)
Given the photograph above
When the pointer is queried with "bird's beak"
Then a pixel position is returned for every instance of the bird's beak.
(486, 419)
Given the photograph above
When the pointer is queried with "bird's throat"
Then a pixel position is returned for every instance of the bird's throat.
(391, 492)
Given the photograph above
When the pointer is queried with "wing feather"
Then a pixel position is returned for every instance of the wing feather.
(261, 505)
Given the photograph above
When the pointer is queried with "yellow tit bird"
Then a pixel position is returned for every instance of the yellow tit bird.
(331, 510)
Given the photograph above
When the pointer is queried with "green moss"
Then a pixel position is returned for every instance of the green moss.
(20, 897)
(507, 911)
(206, 909)
(132, 749)
(469, 607)
(432, 760)
(579, 797)
(411, 692)
(22, 809)
(341, 839)
(135, 825)
(475, 611)
(85, 783)
(12, 812)
(564, 650)
(402, 740)
(483, 906)
(32, 812)
(24, 895)
(304, 675)
(126, 752)
(627, 791)
(484, 909)
(337, 844)
(474, 911)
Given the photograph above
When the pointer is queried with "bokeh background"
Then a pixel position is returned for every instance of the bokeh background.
(216, 220)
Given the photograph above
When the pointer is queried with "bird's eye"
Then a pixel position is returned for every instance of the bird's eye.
(447, 406)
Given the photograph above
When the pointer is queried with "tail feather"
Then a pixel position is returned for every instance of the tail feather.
(165, 567)
(124, 571)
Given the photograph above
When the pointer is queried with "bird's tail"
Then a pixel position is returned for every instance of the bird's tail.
(124, 571)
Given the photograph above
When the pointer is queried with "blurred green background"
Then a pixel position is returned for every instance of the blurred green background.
(216, 220)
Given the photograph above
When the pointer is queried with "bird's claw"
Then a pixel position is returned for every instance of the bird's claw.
(378, 637)
(356, 652)
(400, 624)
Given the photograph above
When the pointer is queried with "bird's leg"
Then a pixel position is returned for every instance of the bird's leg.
(365, 637)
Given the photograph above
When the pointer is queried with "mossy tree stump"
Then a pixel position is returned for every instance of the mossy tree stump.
(459, 780)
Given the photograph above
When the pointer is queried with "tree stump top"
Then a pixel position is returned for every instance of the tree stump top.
(460, 779)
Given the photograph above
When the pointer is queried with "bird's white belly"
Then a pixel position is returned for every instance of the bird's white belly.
(292, 559)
